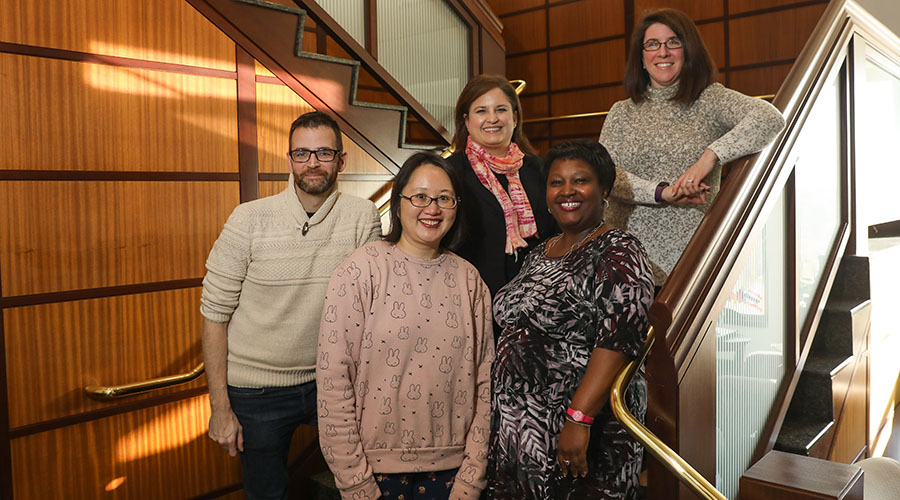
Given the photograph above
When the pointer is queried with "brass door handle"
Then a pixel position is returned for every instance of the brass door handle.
(101, 393)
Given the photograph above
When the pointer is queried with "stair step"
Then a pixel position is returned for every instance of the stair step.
(322, 487)
(805, 437)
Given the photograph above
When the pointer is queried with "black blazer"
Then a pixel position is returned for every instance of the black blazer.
(485, 242)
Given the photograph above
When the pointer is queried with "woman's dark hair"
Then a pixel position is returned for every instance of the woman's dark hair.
(455, 235)
(591, 152)
(476, 88)
(697, 71)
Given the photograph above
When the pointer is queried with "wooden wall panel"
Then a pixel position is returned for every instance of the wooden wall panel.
(277, 107)
(714, 37)
(740, 6)
(587, 64)
(759, 81)
(100, 117)
(57, 236)
(117, 28)
(159, 452)
(850, 438)
(532, 68)
(590, 19)
(786, 33)
(54, 350)
(524, 32)
(534, 107)
(501, 7)
(697, 9)
(567, 103)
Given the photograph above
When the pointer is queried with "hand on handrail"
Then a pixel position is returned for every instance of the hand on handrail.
(101, 393)
(671, 460)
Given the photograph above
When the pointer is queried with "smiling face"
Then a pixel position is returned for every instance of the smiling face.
(314, 176)
(574, 195)
(491, 122)
(424, 228)
(663, 65)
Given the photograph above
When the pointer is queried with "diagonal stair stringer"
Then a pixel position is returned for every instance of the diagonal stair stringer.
(273, 35)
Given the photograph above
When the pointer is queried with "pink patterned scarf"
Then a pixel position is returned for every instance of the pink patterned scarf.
(517, 211)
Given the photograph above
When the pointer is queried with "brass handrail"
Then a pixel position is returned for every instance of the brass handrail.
(114, 392)
(598, 113)
(666, 456)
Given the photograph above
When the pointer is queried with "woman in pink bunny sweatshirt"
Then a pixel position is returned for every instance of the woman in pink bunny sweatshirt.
(405, 350)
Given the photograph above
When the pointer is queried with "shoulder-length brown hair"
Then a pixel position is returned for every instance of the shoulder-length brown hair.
(697, 71)
(476, 88)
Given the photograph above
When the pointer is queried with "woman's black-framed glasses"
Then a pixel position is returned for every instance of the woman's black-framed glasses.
(420, 200)
(652, 45)
(322, 154)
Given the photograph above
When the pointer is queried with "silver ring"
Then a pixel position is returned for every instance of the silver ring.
(566, 462)
(690, 181)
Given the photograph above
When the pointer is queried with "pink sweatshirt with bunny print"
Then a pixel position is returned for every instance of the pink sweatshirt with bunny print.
(403, 373)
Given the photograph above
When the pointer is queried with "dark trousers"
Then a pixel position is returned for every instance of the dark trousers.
(268, 417)
(416, 485)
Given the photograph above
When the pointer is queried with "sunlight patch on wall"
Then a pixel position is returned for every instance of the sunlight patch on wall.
(175, 428)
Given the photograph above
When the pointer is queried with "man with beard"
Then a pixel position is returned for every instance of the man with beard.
(262, 302)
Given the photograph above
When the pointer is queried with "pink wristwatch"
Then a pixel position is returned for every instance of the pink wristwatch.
(577, 416)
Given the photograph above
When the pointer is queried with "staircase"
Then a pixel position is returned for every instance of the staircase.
(273, 34)
(813, 416)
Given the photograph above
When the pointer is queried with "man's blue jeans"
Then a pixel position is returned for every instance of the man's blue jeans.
(269, 417)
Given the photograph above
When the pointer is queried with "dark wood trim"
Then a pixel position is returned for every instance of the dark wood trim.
(283, 177)
(628, 23)
(111, 175)
(550, 90)
(97, 293)
(321, 40)
(481, 18)
(273, 80)
(748, 13)
(221, 492)
(264, 176)
(565, 45)
(125, 62)
(6, 482)
(726, 33)
(248, 159)
(109, 411)
(370, 13)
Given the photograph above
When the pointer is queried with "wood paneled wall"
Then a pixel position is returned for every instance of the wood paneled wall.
(124, 130)
(572, 52)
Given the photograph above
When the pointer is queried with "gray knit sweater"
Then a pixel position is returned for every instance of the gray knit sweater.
(268, 280)
(657, 140)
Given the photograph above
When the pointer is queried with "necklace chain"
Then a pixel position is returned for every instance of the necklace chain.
(579, 243)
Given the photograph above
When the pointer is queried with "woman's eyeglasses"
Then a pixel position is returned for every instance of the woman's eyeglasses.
(420, 200)
(652, 45)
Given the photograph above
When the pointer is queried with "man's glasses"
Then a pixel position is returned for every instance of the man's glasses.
(420, 200)
(652, 45)
(322, 154)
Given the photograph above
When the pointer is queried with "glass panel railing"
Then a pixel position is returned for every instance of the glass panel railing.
(877, 131)
(750, 337)
(350, 14)
(818, 173)
(425, 46)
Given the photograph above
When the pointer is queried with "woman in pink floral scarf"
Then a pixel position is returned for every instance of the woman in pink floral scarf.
(504, 189)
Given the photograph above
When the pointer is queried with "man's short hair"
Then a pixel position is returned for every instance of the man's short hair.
(315, 119)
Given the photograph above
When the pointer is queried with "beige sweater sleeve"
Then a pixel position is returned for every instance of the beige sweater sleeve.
(471, 478)
(226, 269)
(347, 303)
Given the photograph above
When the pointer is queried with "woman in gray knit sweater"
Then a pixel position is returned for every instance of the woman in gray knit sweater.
(671, 137)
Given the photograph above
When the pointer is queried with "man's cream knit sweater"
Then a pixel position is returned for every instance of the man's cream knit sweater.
(268, 280)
